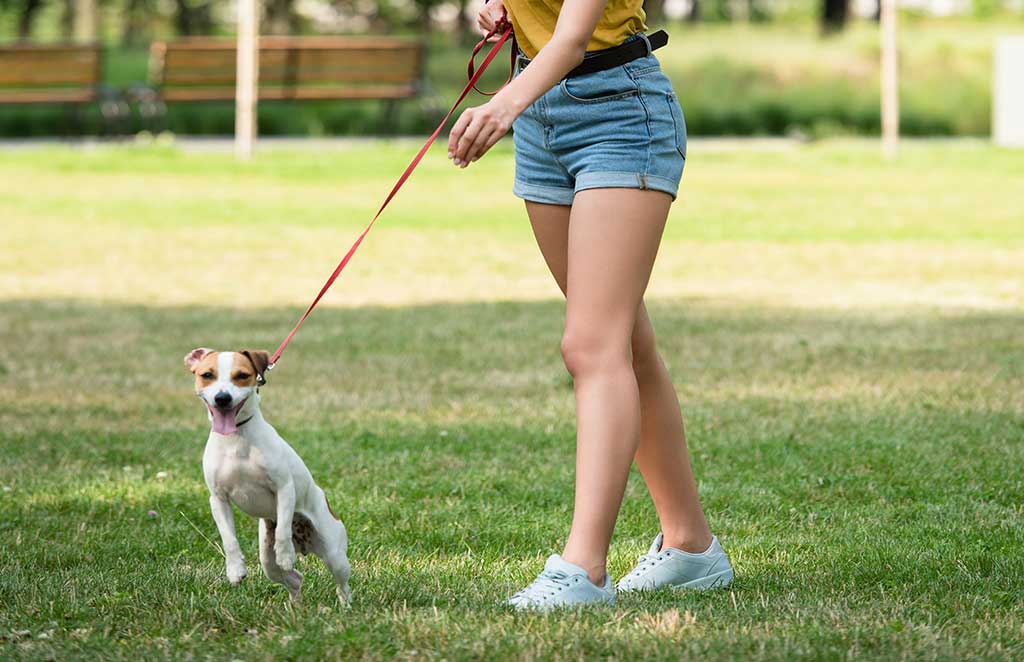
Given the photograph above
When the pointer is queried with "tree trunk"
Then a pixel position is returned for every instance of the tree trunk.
(695, 13)
(87, 24)
(133, 31)
(183, 18)
(833, 15)
(67, 20)
(466, 25)
(655, 10)
(739, 11)
(280, 17)
(27, 18)
(191, 20)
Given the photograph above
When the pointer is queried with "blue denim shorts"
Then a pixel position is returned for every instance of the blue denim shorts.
(618, 128)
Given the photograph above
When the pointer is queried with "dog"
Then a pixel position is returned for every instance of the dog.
(248, 464)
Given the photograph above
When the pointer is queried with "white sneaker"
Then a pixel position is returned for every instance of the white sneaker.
(678, 569)
(562, 584)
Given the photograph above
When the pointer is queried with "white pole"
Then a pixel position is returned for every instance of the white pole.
(1008, 92)
(890, 80)
(247, 77)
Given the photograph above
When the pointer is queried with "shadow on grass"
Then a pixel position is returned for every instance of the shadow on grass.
(90, 385)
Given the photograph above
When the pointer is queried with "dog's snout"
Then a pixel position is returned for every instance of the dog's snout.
(222, 399)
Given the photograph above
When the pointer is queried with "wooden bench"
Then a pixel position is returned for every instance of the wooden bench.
(50, 74)
(290, 69)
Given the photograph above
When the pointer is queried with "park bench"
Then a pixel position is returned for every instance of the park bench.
(50, 74)
(67, 75)
(70, 76)
(290, 69)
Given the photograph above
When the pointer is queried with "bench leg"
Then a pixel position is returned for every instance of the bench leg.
(155, 116)
(71, 121)
(114, 115)
(389, 117)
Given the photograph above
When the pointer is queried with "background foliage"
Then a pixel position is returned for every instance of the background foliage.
(773, 68)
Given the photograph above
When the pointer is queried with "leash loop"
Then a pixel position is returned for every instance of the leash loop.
(502, 25)
(504, 28)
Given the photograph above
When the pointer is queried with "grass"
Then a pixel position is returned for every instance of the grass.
(845, 335)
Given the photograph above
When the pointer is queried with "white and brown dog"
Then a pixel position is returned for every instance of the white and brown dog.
(248, 464)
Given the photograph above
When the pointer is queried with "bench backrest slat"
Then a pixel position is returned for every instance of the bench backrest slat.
(290, 61)
(50, 66)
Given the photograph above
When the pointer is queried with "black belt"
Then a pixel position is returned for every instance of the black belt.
(618, 55)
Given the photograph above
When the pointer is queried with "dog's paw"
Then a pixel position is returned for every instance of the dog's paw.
(236, 571)
(284, 551)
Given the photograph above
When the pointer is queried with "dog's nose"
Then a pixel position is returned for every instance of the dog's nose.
(222, 399)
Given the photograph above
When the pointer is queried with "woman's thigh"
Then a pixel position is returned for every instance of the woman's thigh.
(613, 240)
(551, 229)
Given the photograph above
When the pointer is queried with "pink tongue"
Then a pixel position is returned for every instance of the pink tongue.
(224, 421)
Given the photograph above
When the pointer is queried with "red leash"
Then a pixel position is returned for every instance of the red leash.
(506, 31)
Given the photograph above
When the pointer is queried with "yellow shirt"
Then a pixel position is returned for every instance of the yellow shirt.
(534, 23)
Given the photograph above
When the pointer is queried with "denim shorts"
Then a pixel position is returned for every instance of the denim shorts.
(618, 128)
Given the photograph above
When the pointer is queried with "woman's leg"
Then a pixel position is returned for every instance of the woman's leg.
(662, 455)
(613, 239)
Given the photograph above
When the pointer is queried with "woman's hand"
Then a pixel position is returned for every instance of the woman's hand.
(478, 129)
(489, 16)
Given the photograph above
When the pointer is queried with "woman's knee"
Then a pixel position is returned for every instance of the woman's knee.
(586, 351)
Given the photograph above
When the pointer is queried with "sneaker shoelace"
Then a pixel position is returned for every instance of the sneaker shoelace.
(547, 585)
(643, 562)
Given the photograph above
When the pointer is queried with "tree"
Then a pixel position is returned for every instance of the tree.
(193, 18)
(27, 17)
(138, 15)
(280, 17)
(833, 15)
(67, 19)
(655, 10)
(423, 8)
(86, 21)
(466, 25)
(695, 12)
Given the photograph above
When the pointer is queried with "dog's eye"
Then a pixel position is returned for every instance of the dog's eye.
(207, 375)
(241, 375)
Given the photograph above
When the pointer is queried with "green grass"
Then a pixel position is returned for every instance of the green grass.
(845, 335)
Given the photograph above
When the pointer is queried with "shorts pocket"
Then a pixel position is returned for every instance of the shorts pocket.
(676, 111)
(600, 87)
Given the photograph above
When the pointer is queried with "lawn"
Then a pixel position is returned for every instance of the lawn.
(845, 335)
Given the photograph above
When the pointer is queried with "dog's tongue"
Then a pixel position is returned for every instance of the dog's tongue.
(224, 420)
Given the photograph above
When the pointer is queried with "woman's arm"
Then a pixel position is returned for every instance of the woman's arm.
(478, 128)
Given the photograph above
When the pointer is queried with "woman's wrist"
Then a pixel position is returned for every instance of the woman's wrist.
(511, 101)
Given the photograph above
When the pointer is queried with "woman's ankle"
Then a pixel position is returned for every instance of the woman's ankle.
(693, 543)
(597, 572)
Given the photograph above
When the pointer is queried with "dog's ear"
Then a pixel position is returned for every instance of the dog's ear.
(195, 356)
(260, 360)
